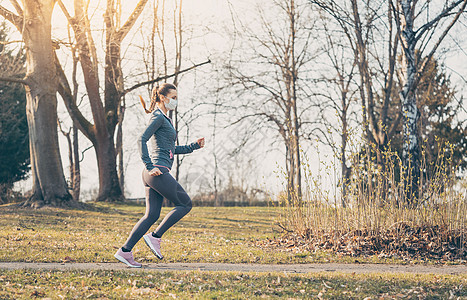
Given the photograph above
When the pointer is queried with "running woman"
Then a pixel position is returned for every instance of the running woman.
(158, 182)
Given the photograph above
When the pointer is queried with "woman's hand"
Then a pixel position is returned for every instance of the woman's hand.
(201, 142)
(155, 172)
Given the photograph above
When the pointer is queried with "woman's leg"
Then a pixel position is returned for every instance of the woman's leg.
(169, 188)
(153, 210)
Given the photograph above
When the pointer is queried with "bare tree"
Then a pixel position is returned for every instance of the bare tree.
(373, 39)
(339, 93)
(376, 25)
(272, 71)
(217, 200)
(72, 135)
(427, 38)
(49, 185)
(178, 36)
(107, 110)
(73, 160)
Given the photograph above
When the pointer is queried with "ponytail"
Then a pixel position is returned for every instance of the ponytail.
(144, 104)
(154, 99)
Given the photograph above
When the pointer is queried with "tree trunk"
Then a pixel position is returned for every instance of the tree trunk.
(291, 171)
(410, 151)
(109, 186)
(296, 175)
(49, 185)
(291, 77)
(70, 159)
(121, 173)
(76, 169)
(344, 169)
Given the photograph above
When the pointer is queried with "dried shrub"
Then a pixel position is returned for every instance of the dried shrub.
(377, 218)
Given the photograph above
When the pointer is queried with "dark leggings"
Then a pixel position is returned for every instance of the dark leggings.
(158, 188)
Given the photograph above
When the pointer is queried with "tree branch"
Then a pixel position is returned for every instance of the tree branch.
(15, 80)
(16, 20)
(435, 47)
(9, 42)
(18, 8)
(82, 152)
(126, 91)
(269, 117)
(123, 31)
(65, 12)
(443, 14)
(86, 127)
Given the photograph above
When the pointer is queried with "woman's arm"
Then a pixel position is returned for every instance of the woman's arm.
(190, 148)
(154, 123)
(187, 148)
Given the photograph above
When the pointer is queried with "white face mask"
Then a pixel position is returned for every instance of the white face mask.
(172, 104)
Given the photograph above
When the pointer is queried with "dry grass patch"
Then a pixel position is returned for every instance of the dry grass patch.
(27, 284)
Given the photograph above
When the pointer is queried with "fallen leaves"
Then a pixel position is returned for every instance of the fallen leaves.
(37, 293)
(401, 241)
(67, 259)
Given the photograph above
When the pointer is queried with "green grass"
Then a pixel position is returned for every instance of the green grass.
(26, 284)
(206, 234)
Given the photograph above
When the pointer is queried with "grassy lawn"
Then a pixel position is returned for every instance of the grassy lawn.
(226, 285)
(206, 234)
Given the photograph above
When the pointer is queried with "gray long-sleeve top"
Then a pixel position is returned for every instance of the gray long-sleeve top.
(162, 135)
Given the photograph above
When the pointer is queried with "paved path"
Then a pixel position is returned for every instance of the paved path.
(287, 268)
